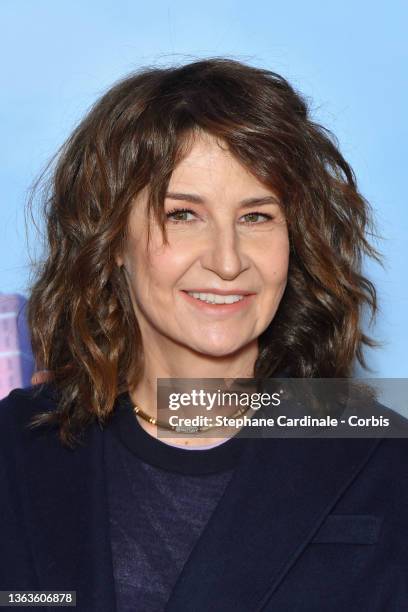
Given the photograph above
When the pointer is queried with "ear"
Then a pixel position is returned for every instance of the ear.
(119, 260)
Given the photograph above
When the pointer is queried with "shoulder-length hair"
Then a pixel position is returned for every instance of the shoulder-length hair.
(81, 317)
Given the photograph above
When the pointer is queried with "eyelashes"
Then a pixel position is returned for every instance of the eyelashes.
(170, 213)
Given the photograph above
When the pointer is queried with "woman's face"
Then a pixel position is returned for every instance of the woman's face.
(225, 243)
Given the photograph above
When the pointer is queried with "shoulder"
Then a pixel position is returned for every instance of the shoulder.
(381, 418)
(30, 399)
(20, 406)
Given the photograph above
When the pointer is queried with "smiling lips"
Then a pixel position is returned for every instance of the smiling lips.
(219, 291)
(217, 300)
(218, 296)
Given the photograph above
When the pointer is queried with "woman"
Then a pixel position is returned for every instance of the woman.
(180, 187)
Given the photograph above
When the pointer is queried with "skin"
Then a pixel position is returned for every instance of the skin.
(221, 244)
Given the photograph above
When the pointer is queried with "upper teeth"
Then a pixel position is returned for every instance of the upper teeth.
(213, 298)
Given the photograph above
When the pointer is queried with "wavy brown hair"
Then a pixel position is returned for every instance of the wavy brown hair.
(80, 314)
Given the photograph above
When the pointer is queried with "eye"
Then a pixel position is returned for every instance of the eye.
(178, 215)
(253, 215)
(180, 212)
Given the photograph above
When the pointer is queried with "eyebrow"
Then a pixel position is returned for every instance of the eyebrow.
(246, 203)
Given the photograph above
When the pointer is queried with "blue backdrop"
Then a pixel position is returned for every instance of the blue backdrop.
(348, 58)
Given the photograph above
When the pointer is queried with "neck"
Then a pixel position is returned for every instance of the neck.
(187, 364)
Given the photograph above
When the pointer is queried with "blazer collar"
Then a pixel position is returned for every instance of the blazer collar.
(280, 493)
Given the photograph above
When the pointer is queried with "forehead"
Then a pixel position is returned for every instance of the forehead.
(209, 166)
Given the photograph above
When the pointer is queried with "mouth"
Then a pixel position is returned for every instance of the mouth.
(218, 296)
(219, 302)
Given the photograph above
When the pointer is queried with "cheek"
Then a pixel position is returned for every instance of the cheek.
(159, 275)
(275, 270)
(167, 266)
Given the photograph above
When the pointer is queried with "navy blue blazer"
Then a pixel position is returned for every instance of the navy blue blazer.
(305, 525)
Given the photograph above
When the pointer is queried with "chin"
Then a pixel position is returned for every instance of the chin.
(221, 350)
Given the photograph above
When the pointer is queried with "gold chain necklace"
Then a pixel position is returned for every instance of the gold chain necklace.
(180, 428)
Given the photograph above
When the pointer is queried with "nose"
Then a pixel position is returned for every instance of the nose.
(223, 253)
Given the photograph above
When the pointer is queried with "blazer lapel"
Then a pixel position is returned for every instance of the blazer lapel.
(278, 497)
(65, 505)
